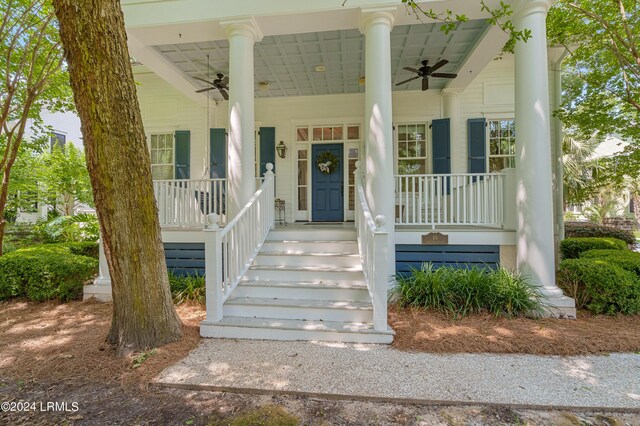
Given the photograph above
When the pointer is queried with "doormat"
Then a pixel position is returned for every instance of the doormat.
(325, 223)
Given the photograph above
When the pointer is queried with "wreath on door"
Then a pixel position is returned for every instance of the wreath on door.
(327, 162)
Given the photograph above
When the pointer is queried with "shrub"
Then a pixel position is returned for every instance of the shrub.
(626, 259)
(19, 236)
(588, 229)
(464, 291)
(599, 286)
(187, 288)
(43, 272)
(571, 248)
(81, 227)
(86, 248)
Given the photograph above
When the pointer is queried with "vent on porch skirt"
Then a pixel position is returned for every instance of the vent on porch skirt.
(410, 256)
(185, 258)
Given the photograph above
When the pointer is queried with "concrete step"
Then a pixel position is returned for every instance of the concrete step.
(253, 307)
(336, 291)
(297, 246)
(285, 329)
(315, 274)
(307, 259)
(312, 234)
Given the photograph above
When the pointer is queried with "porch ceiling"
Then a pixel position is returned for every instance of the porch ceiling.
(287, 62)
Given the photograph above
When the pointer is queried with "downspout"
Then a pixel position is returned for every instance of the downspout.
(558, 167)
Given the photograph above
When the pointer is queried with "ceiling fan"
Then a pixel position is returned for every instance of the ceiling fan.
(425, 71)
(221, 83)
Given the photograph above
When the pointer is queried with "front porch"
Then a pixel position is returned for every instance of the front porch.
(332, 87)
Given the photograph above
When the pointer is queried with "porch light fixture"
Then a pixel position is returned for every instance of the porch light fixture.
(319, 68)
(281, 149)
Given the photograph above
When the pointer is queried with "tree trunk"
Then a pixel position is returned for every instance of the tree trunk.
(119, 166)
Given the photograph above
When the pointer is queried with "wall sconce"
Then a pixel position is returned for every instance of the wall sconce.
(281, 149)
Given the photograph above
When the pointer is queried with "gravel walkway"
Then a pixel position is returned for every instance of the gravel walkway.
(353, 371)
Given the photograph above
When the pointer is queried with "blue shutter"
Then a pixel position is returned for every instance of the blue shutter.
(477, 145)
(183, 154)
(217, 153)
(441, 137)
(267, 148)
(441, 149)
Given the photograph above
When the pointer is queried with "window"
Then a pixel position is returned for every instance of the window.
(57, 139)
(302, 179)
(161, 145)
(412, 149)
(353, 158)
(502, 145)
(327, 133)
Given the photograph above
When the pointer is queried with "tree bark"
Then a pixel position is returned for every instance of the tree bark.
(119, 165)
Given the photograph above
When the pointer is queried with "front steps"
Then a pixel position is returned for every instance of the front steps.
(305, 284)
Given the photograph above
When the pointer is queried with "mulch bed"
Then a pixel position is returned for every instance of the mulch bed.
(431, 331)
(56, 341)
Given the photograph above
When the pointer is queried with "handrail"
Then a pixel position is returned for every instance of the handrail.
(234, 247)
(450, 199)
(187, 202)
(372, 245)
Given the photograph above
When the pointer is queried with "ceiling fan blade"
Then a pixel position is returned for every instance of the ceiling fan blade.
(224, 94)
(225, 81)
(425, 84)
(439, 65)
(205, 90)
(411, 69)
(201, 79)
(406, 81)
(443, 75)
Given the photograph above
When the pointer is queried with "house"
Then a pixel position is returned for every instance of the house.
(615, 209)
(63, 128)
(381, 161)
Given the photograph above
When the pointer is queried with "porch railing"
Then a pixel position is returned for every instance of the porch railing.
(451, 199)
(187, 202)
(233, 248)
(372, 244)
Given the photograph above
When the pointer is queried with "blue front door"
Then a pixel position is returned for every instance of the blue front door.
(327, 203)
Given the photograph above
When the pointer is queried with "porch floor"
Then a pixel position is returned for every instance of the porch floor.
(383, 373)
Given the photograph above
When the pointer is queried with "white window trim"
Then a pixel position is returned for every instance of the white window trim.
(173, 149)
(428, 144)
(490, 118)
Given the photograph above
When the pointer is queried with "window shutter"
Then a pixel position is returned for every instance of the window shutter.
(477, 145)
(267, 148)
(183, 154)
(441, 137)
(217, 153)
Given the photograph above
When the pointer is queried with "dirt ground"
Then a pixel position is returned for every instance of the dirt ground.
(55, 353)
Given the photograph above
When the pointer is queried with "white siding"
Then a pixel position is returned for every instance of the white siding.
(66, 123)
(164, 109)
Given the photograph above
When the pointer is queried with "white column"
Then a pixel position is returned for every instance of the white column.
(534, 190)
(451, 110)
(242, 35)
(101, 287)
(557, 152)
(379, 182)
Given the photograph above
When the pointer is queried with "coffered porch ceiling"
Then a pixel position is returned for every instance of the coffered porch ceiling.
(288, 62)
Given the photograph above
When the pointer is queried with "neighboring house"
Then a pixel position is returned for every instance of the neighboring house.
(457, 174)
(621, 204)
(64, 128)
